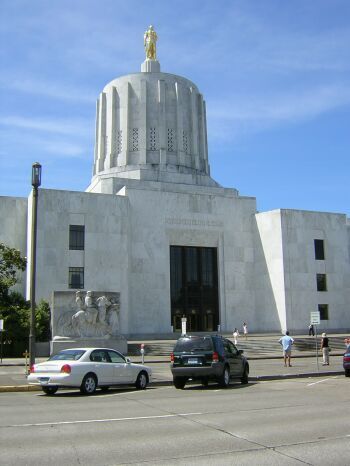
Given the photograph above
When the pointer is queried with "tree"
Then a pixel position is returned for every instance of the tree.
(16, 315)
(14, 309)
(42, 321)
(10, 262)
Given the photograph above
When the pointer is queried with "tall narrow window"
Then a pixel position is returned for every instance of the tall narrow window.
(319, 249)
(321, 281)
(76, 278)
(76, 237)
(194, 287)
(323, 310)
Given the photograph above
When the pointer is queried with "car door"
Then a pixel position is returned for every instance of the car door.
(122, 370)
(229, 356)
(237, 367)
(102, 366)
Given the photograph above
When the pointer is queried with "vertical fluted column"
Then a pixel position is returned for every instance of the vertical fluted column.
(202, 139)
(162, 123)
(126, 122)
(194, 114)
(143, 123)
(111, 130)
(179, 125)
(102, 143)
(205, 135)
(97, 136)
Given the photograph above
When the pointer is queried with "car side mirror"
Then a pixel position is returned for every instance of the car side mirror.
(240, 351)
(128, 360)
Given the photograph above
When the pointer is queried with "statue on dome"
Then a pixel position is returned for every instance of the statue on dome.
(150, 39)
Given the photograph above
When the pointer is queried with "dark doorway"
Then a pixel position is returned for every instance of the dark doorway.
(194, 288)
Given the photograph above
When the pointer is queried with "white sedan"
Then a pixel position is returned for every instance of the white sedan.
(87, 369)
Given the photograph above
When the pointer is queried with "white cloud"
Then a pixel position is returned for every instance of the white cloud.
(241, 114)
(76, 127)
(49, 89)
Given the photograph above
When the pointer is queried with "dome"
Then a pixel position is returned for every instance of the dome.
(152, 126)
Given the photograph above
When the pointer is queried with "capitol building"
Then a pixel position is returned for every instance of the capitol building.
(156, 228)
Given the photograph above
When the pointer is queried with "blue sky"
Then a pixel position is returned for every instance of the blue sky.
(275, 76)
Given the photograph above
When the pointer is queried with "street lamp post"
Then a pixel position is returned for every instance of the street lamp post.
(36, 182)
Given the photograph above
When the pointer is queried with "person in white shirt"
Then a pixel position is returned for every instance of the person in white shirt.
(245, 330)
(235, 336)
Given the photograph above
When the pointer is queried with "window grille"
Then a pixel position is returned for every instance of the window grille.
(135, 139)
(76, 278)
(323, 310)
(185, 142)
(321, 281)
(119, 141)
(152, 139)
(76, 237)
(171, 134)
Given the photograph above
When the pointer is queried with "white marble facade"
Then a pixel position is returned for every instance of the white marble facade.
(151, 189)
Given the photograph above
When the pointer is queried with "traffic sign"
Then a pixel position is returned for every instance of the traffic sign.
(315, 317)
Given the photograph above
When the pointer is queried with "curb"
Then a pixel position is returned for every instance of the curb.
(19, 388)
(165, 383)
(249, 358)
(295, 376)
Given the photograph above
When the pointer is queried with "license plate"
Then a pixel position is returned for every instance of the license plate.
(43, 379)
(192, 361)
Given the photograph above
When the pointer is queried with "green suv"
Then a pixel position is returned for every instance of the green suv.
(206, 358)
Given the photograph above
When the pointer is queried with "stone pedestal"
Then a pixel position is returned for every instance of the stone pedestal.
(150, 66)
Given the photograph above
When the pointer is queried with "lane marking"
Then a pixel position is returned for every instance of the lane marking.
(320, 381)
(118, 419)
(131, 393)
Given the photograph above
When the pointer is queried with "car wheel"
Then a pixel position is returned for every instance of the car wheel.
(141, 381)
(224, 379)
(89, 384)
(347, 373)
(49, 390)
(180, 382)
(244, 378)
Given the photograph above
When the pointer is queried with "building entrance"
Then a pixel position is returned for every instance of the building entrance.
(194, 288)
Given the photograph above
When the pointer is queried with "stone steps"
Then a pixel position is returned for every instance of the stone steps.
(252, 346)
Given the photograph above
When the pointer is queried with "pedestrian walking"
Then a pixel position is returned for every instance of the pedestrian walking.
(325, 349)
(235, 336)
(311, 330)
(286, 343)
(245, 330)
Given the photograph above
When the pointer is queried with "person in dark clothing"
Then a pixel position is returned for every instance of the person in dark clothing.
(325, 349)
(311, 330)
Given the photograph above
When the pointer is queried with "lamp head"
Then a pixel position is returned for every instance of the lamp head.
(36, 175)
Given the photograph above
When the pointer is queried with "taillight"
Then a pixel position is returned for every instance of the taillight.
(66, 369)
(215, 357)
(32, 369)
(172, 357)
(346, 358)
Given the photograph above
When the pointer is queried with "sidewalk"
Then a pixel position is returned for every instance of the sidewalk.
(13, 378)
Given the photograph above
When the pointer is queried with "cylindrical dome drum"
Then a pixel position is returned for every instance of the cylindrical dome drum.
(151, 120)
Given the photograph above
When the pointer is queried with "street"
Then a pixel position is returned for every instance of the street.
(285, 422)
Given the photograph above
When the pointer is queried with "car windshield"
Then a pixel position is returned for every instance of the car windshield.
(67, 355)
(193, 344)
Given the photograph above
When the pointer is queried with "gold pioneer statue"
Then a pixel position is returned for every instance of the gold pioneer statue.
(150, 39)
